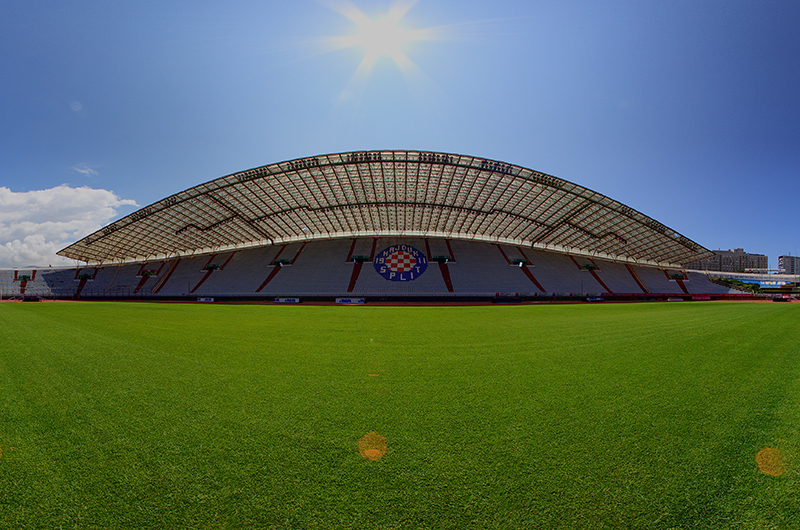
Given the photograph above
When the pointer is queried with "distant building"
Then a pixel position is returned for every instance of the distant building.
(789, 264)
(731, 261)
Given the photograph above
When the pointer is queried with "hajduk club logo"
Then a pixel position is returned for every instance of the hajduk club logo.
(400, 263)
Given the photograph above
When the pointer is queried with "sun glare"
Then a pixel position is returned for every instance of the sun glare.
(379, 37)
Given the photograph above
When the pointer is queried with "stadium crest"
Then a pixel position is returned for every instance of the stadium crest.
(401, 263)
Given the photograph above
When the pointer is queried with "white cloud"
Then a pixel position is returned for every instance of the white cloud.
(34, 225)
(85, 170)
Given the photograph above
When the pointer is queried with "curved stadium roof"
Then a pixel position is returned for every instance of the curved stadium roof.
(388, 193)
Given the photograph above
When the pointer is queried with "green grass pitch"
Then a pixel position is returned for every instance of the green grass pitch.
(135, 415)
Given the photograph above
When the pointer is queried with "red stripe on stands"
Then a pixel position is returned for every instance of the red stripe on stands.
(354, 276)
(163, 282)
(142, 281)
(208, 272)
(449, 250)
(427, 249)
(279, 253)
(680, 282)
(357, 266)
(637, 279)
(298, 252)
(227, 260)
(503, 253)
(33, 275)
(23, 285)
(528, 272)
(81, 285)
(202, 280)
(596, 277)
(576, 263)
(274, 271)
(530, 276)
(446, 276)
(209, 262)
(352, 248)
(269, 278)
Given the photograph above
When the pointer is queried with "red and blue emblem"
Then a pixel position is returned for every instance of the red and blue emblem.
(400, 263)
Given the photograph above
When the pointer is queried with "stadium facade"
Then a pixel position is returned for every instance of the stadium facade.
(381, 224)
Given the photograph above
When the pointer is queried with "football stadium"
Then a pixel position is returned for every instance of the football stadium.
(382, 225)
(393, 340)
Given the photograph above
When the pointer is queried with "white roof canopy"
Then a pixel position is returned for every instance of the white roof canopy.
(388, 193)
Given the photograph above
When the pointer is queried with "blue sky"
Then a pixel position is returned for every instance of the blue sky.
(686, 111)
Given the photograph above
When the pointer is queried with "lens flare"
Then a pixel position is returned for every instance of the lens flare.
(770, 461)
(380, 37)
(372, 446)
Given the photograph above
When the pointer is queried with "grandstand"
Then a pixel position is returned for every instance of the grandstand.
(379, 225)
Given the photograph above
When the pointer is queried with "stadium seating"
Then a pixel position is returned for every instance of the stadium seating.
(330, 268)
(370, 282)
(321, 268)
(482, 269)
(23, 283)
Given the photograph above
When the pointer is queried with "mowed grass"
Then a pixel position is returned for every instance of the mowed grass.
(134, 415)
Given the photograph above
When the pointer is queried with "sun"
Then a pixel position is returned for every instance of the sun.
(382, 36)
